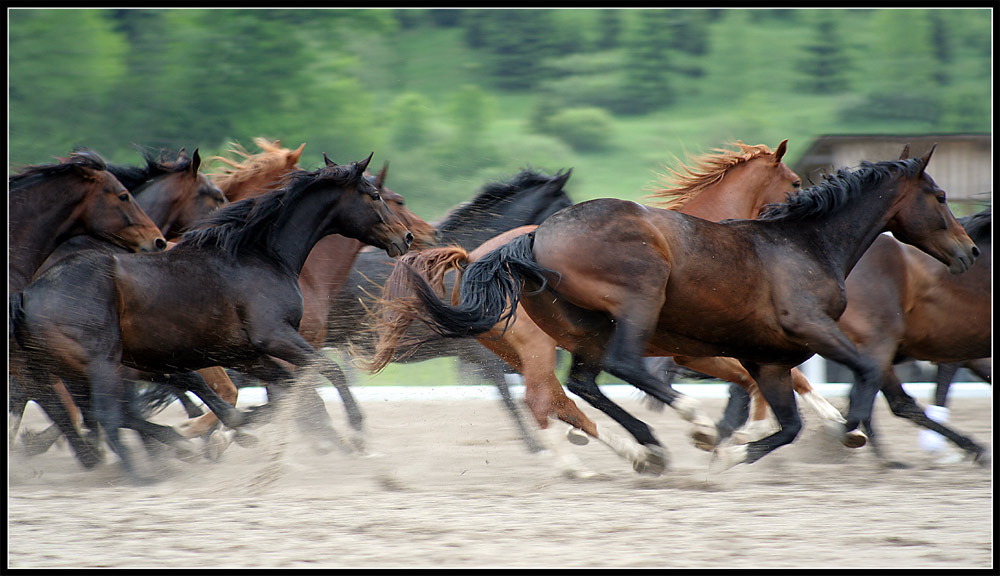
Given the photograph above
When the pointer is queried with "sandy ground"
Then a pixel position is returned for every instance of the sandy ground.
(452, 486)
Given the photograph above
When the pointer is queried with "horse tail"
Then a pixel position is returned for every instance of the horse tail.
(490, 291)
(153, 399)
(395, 310)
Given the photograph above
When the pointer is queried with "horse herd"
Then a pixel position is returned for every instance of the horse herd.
(132, 286)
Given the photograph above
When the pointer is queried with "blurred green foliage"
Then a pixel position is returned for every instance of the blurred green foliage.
(457, 97)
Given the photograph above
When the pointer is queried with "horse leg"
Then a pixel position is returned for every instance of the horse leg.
(332, 372)
(647, 458)
(736, 413)
(775, 384)
(904, 406)
(492, 370)
(108, 400)
(87, 453)
(833, 420)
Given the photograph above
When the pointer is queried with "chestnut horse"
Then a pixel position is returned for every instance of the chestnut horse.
(93, 312)
(727, 183)
(611, 281)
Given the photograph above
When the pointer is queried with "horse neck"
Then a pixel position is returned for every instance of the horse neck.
(738, 194)
(37, 226)
(159, 202)
(302, 225)
(841, 237)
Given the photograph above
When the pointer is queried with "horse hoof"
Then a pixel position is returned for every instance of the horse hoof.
(652, 463)
(577, 436)
(705, 436)
(854, 439)
(725, 457)
(216, 444)
(983, 458)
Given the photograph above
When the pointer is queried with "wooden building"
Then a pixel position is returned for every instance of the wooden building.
(962, 163)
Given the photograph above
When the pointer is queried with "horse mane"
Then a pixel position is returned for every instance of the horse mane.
(133, 177)
(492, 194)
(247, 225)
(978, 226)
(271, 158)
(79, 157)
(681, 184)
(837, 190)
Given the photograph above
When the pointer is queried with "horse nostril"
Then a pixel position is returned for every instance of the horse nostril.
(408, 238)
(975, 251)
(160, 244)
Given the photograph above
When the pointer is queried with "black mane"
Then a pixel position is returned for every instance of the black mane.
(837, 190)
(79, 157)
(979, 226)
(489, 196)
(133, 177)
(247, 224)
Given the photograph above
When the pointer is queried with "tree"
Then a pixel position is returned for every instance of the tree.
(823, 64)
(64, 69)
(647, 61)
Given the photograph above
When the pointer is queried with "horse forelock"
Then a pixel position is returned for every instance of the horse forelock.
(838, 190)
(492, 194)
(678, 185)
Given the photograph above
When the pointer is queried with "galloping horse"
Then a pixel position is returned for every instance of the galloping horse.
(321, 277)
(175, 195)
(903, 305)
(611, 280)
(51, 204)
(723, 184)
(93, 312)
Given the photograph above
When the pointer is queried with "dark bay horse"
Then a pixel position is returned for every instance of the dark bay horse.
(175, 195)
(903, 305)
(322, 275)
(611, 281)
(726, 183)
(164, 314)
(335, 309)
(49, 203)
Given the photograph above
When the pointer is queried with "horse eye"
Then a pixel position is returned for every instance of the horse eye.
(123, 196)
(941, 199)
(797, 184)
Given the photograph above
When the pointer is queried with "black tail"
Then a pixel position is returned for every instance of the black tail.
(15, 314)
(490, 289)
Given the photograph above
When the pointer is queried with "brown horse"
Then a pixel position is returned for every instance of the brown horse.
(175, 195)
(323, 274)
(91, 313)
(612, 280)
(728, 183)
(50, 203)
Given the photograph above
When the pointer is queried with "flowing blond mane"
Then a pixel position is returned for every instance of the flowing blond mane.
(678, 185)
(272, 159)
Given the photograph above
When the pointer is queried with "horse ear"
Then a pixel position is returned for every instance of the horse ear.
(380, 179)
(561, 179)
(927, 157)
(195, 162)
(297, 154)
(905, 153)
(328, 161)
(363, 165)
(782, 148)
